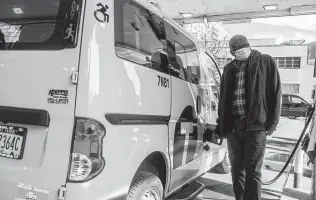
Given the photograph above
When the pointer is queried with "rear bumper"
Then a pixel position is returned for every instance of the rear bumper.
(87, 191)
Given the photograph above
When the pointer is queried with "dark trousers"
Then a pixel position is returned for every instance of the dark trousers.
(246, 152)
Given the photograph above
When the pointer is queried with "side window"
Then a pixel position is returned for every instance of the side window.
(183, 55)
(297, 100)
(140, 36)
(285, 99)
(211, 67)
(193, 65)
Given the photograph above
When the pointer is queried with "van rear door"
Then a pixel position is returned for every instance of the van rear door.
(37, 100)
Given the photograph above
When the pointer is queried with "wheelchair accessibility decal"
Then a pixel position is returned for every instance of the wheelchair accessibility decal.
(100, 14)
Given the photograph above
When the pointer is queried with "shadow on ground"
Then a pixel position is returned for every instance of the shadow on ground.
(272, 194)
(296, 194)
(217, 190)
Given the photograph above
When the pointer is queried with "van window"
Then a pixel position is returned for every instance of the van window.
(183, 56)
(140, 36)
(212, 70)
(49, 24)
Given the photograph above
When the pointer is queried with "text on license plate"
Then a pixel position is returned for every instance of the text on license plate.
(12, 141)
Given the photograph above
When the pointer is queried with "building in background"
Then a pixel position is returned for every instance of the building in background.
(297, 76)
(291, 59)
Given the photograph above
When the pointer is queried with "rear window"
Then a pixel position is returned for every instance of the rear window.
(39, 24)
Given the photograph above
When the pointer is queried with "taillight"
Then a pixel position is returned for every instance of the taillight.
(86, 159)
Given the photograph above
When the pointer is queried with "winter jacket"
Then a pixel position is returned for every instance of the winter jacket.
(263, 94)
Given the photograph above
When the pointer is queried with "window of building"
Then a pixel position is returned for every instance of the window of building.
(140, 36)
(290, 88)
(215, 32)
(288, 62)
(183, 55)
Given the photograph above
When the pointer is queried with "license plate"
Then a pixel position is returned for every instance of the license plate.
(12, 140)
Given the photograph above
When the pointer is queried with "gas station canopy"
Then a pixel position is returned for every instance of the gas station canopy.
(191, 11)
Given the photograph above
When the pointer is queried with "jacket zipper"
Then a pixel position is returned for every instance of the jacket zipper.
(249, 88)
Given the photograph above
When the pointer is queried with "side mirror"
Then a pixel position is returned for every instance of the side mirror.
(160, 62)
(196, 80)
(174, 71)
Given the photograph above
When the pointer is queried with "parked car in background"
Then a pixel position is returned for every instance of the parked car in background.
(294, 106)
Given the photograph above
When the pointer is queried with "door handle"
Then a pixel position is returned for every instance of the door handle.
(198, 105)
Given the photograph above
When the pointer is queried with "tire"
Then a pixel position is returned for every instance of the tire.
(224, 167)
(143, 184)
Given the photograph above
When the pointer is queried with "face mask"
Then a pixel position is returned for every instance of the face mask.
(243, 54)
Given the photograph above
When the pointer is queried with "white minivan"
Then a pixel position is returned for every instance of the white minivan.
(100, 100)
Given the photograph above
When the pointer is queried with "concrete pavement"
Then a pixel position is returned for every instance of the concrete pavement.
(279, 147)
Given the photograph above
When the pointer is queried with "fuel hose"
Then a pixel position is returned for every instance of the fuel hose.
(310, 116)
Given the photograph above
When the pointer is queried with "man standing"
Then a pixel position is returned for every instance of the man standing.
(249, 110)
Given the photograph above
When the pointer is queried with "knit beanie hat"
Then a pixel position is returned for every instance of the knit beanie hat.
(238, 41)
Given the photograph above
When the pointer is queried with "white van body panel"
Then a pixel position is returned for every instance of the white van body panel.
(110, 85)
(30, 82)
(108, 88)
(134, 144)
(46, 152)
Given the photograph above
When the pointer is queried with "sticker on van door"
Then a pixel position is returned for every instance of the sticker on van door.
(56, 96)
(185, 138)
(72, 21)
(70, 33)
(28, 192)
(100, 14)
(163, 81)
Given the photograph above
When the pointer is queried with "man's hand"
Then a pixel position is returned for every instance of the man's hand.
(270, 131)
(217, 130)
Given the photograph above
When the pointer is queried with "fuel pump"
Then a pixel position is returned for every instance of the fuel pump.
(311, 146)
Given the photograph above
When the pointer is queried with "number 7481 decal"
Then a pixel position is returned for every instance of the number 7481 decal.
(163, 81)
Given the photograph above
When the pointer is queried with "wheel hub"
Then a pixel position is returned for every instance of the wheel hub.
(151, 194)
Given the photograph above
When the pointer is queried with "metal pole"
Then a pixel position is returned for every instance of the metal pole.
(299, 168)
(313, 178)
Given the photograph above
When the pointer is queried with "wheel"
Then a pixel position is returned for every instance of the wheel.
(224, 167)
(145, 186)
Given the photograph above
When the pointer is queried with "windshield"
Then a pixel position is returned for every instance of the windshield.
(38, 24)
